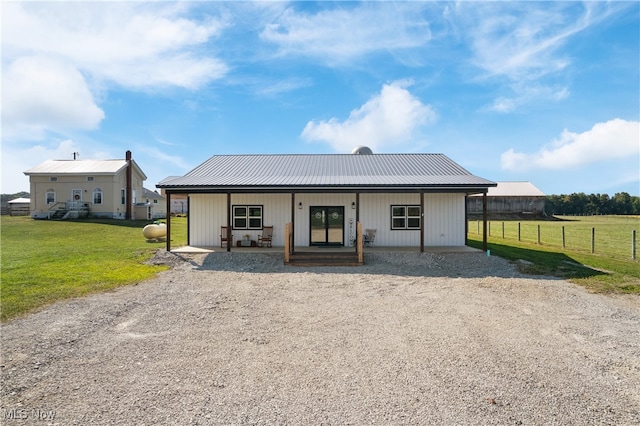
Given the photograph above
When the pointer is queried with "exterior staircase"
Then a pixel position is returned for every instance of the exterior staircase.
(58, 214)
(68, 210)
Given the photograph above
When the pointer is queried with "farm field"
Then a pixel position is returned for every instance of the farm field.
(606, 265)
(612, 233)
(44, 261)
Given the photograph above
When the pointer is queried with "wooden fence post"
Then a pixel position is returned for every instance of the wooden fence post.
(538, 234)
(633, 244)
(518, 231)
(503, 230)
(593, 240)
(563, 240)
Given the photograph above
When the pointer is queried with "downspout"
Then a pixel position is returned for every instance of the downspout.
(128, 190)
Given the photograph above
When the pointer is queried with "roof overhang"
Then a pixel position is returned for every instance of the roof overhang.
(325, 189)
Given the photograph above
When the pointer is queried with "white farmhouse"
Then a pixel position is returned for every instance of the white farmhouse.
(74, 188)
(416, 200)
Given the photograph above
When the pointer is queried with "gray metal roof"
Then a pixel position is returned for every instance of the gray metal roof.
(319, 171)
(515, 189)
(151, 194)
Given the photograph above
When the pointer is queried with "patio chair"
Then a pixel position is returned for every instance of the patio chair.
(369, 237)
(265, 237)
(224, 238)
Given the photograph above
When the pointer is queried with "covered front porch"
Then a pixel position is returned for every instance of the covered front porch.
(215, 221)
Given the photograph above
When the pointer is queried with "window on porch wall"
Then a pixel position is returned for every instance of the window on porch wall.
(405, 217)
(247, 217)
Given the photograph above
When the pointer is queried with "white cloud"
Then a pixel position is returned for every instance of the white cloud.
(161, 158)
(521, 40)
(269, 89)
(339, 35)
(56, 56)
(132, 44)
(523, 43)
(614, 139)
(16, 161)
(524, 94)
(40, 94)
(387, 120)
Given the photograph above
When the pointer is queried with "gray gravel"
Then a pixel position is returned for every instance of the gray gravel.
(237, 338)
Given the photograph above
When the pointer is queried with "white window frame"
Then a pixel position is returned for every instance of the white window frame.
(96, 192)
(46, 197)
(53, 178)
(244, 216)
(407, 218)
(123, 196)
(90, 178)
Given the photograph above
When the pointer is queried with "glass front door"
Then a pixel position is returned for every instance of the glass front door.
(327, 226)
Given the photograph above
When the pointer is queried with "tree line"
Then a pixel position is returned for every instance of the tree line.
(592, 204)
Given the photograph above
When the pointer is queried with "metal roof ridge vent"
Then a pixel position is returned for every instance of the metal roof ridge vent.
(362, 150)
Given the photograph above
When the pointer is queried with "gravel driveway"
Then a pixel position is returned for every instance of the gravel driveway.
(235, 338)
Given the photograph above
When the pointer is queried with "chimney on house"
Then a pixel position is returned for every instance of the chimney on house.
(128, 189)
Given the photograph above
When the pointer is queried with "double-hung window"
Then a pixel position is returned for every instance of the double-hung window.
(97, 196)
(405, 217)
(50, 196)
(247, 217)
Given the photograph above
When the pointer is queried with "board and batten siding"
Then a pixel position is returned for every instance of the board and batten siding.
(444, 216)
(208, 212)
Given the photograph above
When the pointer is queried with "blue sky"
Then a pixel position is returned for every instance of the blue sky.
(547, 92)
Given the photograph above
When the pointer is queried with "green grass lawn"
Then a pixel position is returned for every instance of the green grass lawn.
(45, 261)
(609, 269)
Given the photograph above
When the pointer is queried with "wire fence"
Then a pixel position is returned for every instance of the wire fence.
(608, 239)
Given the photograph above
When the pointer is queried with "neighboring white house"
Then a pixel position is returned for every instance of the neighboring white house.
(72, 188)
(409, 199)
(510, 198)
(179, 202)
(154, 206)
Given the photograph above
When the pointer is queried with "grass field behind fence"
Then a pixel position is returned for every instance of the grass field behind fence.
(613, 234)
(609, 269)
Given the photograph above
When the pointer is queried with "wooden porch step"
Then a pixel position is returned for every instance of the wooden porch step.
(324, 259)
